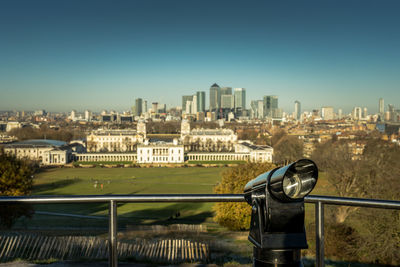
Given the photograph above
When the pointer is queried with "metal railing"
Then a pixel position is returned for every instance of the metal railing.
(319, 202)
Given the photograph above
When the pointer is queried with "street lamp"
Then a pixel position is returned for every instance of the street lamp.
(277, 218)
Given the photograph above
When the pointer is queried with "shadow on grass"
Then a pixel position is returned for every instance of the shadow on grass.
(180, 213)
(45, 188)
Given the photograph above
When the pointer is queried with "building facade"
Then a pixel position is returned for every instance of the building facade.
(270, 105)
(160, 152)
(240, 98)
(201, 101)
(47, 152)
(215, 97)
(103, 140)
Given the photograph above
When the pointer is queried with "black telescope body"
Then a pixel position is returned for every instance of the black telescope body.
(277, 219)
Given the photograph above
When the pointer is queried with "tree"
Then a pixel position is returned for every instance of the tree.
(16, 178)
(344, 173)
(236, 216)
(288, 149)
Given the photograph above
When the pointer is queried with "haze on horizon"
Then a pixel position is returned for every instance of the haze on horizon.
(63, 55)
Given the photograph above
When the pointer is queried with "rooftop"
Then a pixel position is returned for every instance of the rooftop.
(39, 142)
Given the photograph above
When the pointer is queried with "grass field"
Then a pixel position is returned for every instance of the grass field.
(81, 181)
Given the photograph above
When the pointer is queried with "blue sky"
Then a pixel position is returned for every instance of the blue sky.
(63, 55)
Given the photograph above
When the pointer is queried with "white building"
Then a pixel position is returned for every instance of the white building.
(56, 156)
(256, 153)
(13, 125)
(160, 152)
(357, 113)
(48, 152)
(88, 115)
(104, 140)
(327, 113)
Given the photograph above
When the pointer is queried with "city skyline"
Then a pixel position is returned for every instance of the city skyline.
(93, 55)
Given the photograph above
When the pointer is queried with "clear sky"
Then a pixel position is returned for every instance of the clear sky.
(63, 55)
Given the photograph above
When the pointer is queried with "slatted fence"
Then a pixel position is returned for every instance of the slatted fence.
(39, 247)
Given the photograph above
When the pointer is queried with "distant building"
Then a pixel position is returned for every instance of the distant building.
(40, 112)
(73, 115)
(144, 106)
(227, 101)
(88, 115)
(297, 110)
(226, 91)
(357, 113)
(13, 125)
(244, 151)
(138, 107)
(257, 153)
(185, 99)
(340, 113)
(327, 113)
(201, 101)
(240, 98)
(47, 152)
(154, 107)
(270, 105)
(215, 97)
(125, 140)
(109, 117)
(207, 139)
(365, 113)
(160, 152)
(194, 105)
(381, 106)
(125, 118)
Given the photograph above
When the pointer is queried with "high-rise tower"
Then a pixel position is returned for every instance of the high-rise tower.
(381, 106)
(215, 97)
(201, 101)
(240, 98)
(270, 105)
(138, 107)
(297, 110)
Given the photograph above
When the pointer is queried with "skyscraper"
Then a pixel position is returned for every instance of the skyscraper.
(226, 91)
(340, 113)
(297, 110)
(144, 106)
(88, 115)
(215, 97)
(381, 106)
(357, 113)
(185, 99)
(227, 101)
(365, 113)
(201, 101)
(194, 105)
(154, 107)
(138, 107)
(270, 105)
(327, 113)
(256, 109)
(240, 98)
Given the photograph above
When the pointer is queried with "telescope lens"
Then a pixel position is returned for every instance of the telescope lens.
(300, 179)
(291, 186)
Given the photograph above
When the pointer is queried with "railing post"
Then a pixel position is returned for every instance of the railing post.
(112, 231)
(319, 241)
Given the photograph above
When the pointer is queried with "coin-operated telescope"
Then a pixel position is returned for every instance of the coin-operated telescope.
(277, 219)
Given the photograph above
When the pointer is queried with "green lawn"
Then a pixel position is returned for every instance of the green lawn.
(81, 181)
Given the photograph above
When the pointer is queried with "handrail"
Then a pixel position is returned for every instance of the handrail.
(319, 202)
